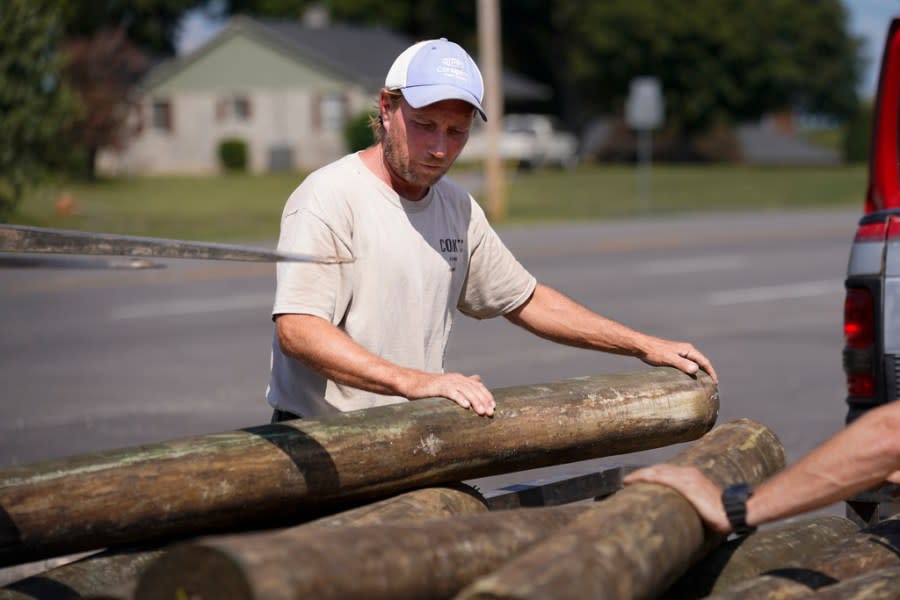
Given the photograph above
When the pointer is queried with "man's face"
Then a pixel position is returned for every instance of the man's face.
(420, 144)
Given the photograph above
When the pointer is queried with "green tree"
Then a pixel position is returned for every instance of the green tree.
(419, 19)
(102, 69)
(35, 108)
(718, 60)
(151, 24)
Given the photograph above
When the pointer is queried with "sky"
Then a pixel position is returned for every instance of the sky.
(869, 19)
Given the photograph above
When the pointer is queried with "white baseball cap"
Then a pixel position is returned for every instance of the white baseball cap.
(435, 70)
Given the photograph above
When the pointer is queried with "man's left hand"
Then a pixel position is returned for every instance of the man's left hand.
(681, 355)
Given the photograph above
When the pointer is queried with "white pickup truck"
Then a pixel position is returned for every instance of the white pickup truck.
(529, 140)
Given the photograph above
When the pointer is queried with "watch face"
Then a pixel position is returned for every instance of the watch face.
(738, 491)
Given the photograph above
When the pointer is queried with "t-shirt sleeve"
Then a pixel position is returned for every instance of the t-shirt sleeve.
(496, 282)
(311, 288)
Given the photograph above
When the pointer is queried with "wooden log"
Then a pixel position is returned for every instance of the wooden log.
(873, 548)
(289, 470)
(883, 584)
(637, 542)
(83, 577)
(744, 558)
(434, 559)
(119, 569)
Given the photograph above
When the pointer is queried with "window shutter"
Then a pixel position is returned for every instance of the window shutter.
(345, 108)
(167, 116)
(316, 112)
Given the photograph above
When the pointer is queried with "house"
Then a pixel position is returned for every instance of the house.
(284, 87)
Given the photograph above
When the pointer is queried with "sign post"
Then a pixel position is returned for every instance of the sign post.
(644, 111)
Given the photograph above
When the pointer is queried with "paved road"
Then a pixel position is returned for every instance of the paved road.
(99, 359)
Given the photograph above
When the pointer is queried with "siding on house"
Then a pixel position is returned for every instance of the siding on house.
(285, 126)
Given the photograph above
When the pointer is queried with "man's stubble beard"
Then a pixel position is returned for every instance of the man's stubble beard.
(399, 162)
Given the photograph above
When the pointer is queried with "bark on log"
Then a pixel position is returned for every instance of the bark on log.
(83, 577)
(287, 471)
(434, 559)
(883, 584)
(431, 560)
(120, 569)
(636, 543)
(875, 547)
(747, 557)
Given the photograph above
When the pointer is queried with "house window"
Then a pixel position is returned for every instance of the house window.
(161, 115)
(332, 111)
(233, 108)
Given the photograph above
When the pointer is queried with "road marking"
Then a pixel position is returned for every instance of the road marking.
(191, 307)
(681, 266)
(806, 289)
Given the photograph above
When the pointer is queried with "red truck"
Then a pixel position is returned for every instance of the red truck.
(872, 306)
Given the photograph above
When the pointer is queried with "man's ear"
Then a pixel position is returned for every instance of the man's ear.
(384, 107)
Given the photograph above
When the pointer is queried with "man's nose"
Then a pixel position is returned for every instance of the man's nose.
(438, 145)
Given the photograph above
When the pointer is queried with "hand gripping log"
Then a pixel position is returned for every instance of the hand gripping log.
(432, 559)
(287, 472)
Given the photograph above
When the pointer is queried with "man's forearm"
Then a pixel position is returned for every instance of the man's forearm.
(551, 315)
(326, 349)
(857, 458)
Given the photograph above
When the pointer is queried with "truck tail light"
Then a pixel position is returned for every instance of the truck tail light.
(859, 319)
(859, 336)
(871, 232)
(861, 385)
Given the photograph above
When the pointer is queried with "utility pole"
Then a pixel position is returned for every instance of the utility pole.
(489, 46)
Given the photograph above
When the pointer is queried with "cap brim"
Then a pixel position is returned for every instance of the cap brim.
(423, 95)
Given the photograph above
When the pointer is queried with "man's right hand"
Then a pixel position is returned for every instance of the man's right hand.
(690, 482)
(465, 390)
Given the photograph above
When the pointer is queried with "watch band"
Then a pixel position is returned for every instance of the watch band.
(734, 499)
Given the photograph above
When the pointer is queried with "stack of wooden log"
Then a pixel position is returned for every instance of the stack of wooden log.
(371, 504)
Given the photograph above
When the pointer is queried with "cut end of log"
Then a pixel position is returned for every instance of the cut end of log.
(213, 575)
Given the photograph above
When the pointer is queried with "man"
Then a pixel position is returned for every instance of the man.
(863, 455)
(374, 331)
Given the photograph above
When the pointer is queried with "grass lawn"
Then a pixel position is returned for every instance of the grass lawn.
(606, 192)
(248, 207)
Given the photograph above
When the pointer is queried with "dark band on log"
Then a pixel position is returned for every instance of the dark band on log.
(637, 542)
(875, 547)
(883, 584)
(290, 470)
(743, 558)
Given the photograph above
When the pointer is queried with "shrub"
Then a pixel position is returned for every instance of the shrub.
(233, 154)
(858, 135)
(357, 133)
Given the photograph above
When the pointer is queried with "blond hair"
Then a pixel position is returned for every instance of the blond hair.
(376, 124)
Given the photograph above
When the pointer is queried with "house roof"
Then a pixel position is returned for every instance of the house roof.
(361, 54)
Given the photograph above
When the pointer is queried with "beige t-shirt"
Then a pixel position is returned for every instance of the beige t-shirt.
(414, 262)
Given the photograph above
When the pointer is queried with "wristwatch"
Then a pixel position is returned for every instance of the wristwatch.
(734, 499)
